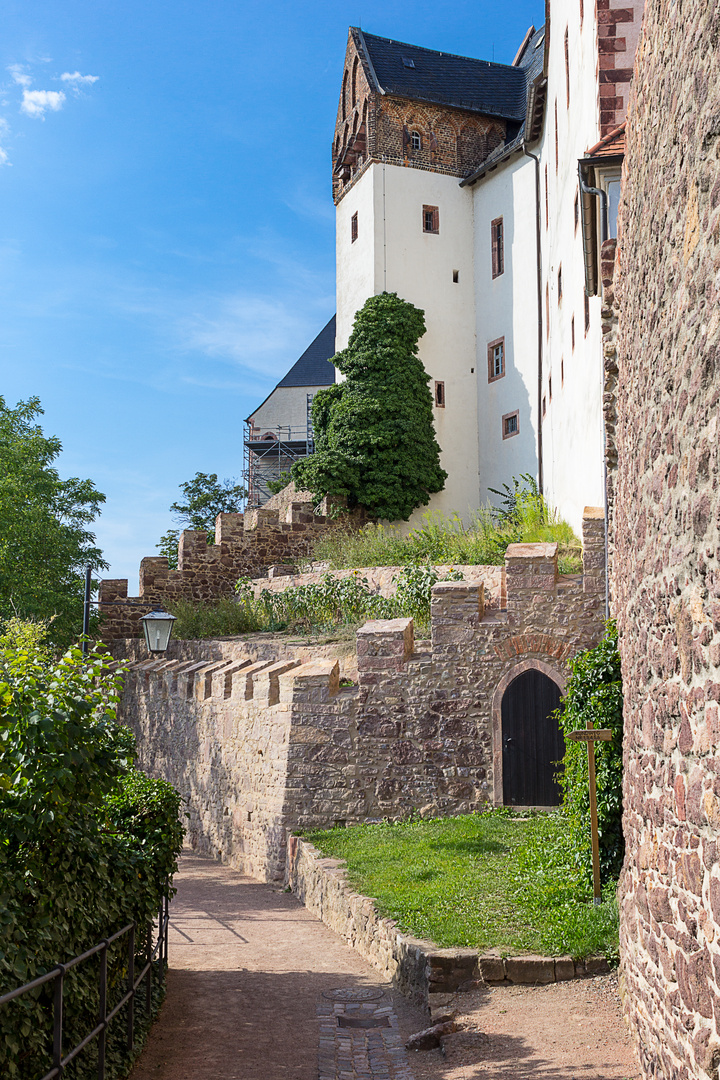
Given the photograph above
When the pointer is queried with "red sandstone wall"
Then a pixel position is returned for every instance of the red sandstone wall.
(667, 540)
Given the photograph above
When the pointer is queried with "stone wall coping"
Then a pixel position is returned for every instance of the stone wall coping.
(317, 669)
(385, 626)
(531, 551)
(460, 588)
(593, 513)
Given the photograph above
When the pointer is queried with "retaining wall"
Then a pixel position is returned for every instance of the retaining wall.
(260, 746)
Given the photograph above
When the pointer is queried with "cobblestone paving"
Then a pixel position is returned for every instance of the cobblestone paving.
(360, 1040)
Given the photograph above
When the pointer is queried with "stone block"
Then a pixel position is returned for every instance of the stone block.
(492, 968)
(530, 970)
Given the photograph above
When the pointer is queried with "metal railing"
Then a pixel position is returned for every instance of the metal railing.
(99, 1032)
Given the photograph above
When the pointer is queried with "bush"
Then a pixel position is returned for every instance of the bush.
(375, 443)
(86, 845)
(594, 693)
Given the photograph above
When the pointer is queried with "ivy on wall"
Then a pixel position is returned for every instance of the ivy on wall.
(374, 436)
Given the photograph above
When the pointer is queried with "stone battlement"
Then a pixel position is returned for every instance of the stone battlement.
(263, 745)
(245, 545)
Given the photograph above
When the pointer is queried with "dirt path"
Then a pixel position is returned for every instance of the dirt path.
(249, 998)
(565, 1031)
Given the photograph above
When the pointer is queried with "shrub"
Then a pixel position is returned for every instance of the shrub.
(375, 444)
(86, 845)
(594, 693)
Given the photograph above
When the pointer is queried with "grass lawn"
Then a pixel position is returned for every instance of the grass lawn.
(487, 880)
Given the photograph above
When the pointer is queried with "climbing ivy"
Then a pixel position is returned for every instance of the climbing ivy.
(374, 437)
(594, 693)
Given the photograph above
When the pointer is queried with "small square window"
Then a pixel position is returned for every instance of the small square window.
(408, 62)
(496, 359)
(431, 219)
(456, 276)
(353, 228)
(510, 424)
(440, 395)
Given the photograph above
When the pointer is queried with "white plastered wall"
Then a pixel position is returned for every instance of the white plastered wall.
(285, 408)
(392, 253)
(506, 307)
(573, 439)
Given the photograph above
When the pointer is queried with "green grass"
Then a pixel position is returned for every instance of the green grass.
(487, 880)
(446, 540)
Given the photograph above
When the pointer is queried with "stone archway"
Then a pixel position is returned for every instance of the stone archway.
(510, 676)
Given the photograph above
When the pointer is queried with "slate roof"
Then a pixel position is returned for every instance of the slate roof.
(530, 66)
(497, 90)
(314, 367)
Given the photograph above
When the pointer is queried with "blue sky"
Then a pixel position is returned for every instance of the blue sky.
(167, 229)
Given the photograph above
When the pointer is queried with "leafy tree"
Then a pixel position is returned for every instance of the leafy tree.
(45, 543)
(374, 437)
(204, 497)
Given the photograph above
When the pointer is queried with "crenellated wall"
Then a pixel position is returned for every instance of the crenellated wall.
(245, 545)
(261, 744)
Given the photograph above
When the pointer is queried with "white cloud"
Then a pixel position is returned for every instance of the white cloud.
(37, 102)
(76, 79)
(19, 74)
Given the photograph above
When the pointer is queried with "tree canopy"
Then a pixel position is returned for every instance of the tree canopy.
(204, 497)
(375, 445)
(45, 542)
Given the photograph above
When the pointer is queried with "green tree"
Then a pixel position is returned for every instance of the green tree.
(204, 497)
(45, 542)
(374, 437)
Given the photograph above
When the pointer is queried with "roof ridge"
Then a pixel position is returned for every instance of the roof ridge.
(436, 52)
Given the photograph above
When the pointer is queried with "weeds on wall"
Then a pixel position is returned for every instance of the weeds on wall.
(331, 602)
(523, 516)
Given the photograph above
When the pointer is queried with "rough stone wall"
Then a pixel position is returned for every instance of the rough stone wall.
(245, 545)
(619, 23)
(667, 540)
(261, 747)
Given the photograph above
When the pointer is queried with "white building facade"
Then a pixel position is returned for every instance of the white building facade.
(456, 186)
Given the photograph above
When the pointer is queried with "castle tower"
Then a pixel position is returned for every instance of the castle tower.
(411, 123)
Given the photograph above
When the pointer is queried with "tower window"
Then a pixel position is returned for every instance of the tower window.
(559, 287)
(415, 140)
(572, 333)
(456, 276)
(510, 424)
(431, 219)
(353, 228)
(496, 359)
(440, 395)
(498, 247)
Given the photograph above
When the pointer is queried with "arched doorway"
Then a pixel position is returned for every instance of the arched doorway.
(532, 742)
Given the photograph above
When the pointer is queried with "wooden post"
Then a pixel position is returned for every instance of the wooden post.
(590, 736)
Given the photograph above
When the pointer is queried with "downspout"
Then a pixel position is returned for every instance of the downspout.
(604, 235)
(536, 159)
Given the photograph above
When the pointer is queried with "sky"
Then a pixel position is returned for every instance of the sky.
(166, 223)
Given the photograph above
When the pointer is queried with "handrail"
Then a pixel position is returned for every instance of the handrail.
(60, 1060)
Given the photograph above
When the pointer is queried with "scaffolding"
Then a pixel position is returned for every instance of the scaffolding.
(269, 455)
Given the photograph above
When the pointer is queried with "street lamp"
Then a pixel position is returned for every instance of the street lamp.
(157, 628)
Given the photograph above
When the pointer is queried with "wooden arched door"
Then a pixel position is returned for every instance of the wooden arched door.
(532, 742)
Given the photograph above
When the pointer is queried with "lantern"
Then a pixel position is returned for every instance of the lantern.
(157, 627)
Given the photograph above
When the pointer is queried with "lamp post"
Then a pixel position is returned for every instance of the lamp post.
(157, 625)
(157, 628)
